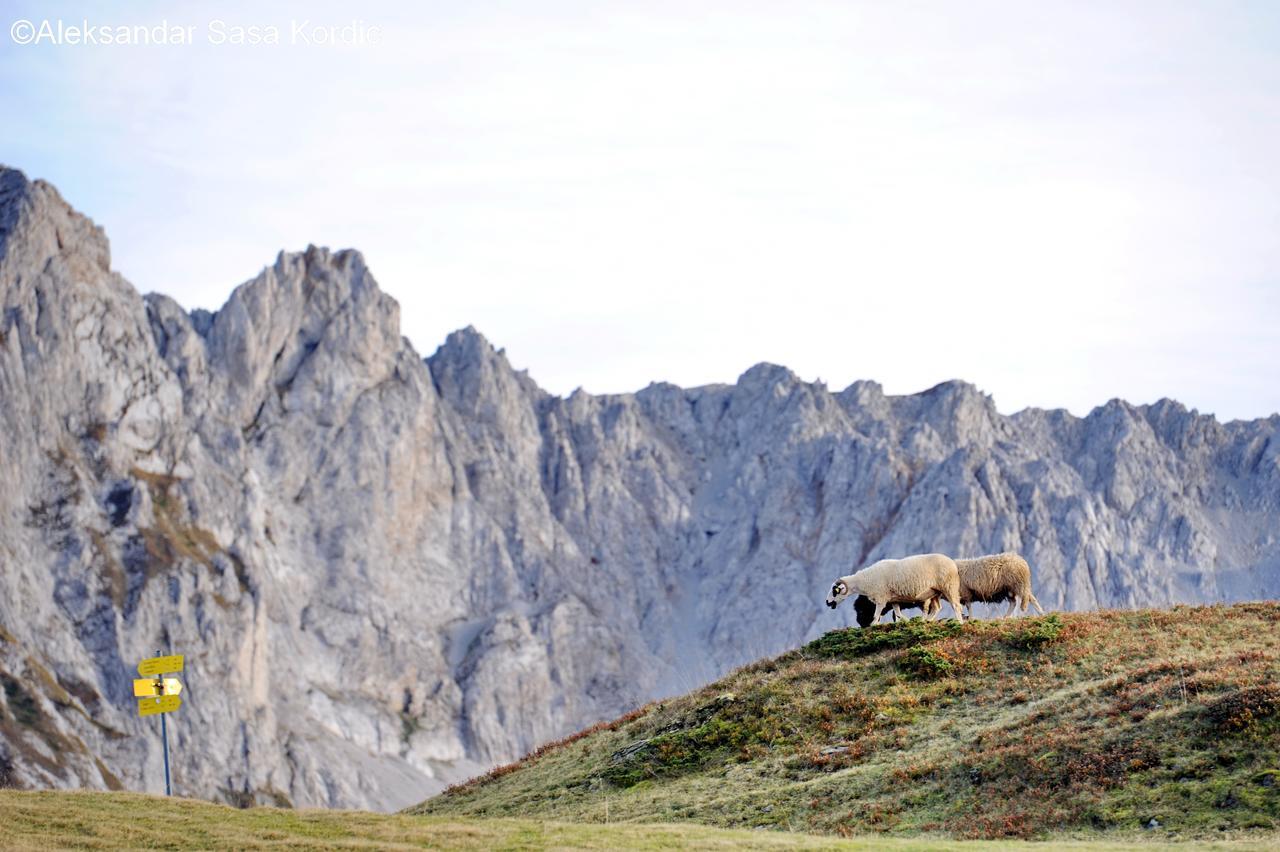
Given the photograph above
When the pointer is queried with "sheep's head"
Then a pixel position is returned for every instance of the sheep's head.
(839, 591)
(866, 611)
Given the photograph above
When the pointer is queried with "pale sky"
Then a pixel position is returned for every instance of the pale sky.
(1059, 202)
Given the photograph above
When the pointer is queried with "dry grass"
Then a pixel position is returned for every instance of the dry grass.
(171, 539)
(60, 820)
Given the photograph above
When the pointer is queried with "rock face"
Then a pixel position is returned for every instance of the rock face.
(388, 572)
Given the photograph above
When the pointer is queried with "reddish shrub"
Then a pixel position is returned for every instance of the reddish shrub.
(1241, 709)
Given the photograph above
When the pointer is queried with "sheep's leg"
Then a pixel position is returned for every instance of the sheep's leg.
(881, 606)
(953, 597)
(1013, 604)
(1035, 603)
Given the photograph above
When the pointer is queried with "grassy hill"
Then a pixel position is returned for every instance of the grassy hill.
(1111, 725)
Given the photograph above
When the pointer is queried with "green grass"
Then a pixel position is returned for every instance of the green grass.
(1084, 726)
(61, 820)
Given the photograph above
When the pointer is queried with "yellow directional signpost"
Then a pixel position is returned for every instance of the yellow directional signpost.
(160, 665)
(158, 694)
(156, 686)
(163, 704)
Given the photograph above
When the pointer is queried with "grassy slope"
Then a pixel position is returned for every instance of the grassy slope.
(59, 820)
(1077, 725)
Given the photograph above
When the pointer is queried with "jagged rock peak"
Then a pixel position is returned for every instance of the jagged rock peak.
(36, 224)
(315, 315)
(466, 345)
(765, 373)
(467, 369)
(956, 410)
(316, 282)
(953, 392)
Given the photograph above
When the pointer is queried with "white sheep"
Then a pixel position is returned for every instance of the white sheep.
(994, 579)
(912, 580)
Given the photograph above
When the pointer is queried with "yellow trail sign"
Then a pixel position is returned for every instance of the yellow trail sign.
(160, 704)
(160, 665)
(147, 686)
(152, 686)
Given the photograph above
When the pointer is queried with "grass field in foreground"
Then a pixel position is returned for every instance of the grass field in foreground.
(58, 820)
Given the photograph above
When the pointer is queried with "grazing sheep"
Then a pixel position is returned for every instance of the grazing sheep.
(995, 579)
(913, 580)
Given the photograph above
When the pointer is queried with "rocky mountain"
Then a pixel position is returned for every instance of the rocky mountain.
(387, 572)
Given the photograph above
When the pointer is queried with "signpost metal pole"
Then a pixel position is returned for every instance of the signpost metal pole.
(164, 736)
(160, 695)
